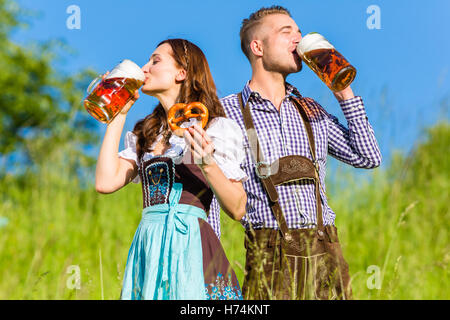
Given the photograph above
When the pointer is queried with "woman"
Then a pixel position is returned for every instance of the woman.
(175, 254)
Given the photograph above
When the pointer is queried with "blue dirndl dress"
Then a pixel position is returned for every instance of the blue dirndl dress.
(175, 254)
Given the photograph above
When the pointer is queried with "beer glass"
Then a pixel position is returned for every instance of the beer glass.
(106, 97)
(331, 67)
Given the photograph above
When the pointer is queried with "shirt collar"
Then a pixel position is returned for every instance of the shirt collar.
(248, 93)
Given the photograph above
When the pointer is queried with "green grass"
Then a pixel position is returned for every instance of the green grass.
(395, 219)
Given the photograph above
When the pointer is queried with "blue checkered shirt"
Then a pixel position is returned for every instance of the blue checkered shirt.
(282, 133)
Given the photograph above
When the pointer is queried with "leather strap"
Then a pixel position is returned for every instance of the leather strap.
(267, 180)
(302, 107)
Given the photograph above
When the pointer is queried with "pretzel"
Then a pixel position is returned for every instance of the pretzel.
(174, 123)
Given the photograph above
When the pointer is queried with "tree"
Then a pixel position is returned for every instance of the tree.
(41, 112)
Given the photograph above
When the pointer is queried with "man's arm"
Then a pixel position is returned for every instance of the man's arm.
(356, 145)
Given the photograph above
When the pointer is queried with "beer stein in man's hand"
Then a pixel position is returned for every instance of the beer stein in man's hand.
(114, 92)
(331, 67)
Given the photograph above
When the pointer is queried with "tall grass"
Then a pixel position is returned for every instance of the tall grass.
(53, 224)
(395, 219)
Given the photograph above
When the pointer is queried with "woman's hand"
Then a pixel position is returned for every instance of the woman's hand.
(230, 194)
(202, 147)
(130, 103)
(113, 172)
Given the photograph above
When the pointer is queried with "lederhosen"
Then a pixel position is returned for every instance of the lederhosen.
(292, 263)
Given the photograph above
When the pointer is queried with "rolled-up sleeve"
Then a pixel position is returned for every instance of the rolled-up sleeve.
(355, 145)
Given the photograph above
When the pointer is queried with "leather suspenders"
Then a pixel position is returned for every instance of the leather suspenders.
(289, 168)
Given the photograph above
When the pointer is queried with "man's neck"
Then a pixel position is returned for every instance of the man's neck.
(270, 86)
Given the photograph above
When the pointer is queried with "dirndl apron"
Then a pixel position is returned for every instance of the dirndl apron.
(175, 253)
(165, 258)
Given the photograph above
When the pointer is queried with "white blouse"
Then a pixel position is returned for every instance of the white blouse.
(227, 139)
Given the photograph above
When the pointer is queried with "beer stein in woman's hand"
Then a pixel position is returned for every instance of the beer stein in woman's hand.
(331, 67)
(114, 92)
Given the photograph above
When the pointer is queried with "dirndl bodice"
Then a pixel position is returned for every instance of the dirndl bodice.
(175, 253)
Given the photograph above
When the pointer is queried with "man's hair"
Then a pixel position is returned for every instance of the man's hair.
(249, 25)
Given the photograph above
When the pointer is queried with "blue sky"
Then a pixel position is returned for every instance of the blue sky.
(403, 68)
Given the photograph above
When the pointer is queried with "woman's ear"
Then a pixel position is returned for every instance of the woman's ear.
(181, 75)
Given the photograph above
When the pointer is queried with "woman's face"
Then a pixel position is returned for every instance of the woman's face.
(161, 72)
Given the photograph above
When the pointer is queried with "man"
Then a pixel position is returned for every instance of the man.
(292, 245)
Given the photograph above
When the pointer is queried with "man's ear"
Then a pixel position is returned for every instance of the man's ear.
(256, 46)
(181, 75)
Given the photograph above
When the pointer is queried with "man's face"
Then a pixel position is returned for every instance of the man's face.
(280, 35)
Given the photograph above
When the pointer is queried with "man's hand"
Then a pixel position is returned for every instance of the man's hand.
(345, 94)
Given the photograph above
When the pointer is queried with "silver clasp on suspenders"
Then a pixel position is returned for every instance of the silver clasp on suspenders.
(259, 174)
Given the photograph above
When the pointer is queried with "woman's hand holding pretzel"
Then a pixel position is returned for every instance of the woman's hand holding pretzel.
(174, 118)
(201, 145)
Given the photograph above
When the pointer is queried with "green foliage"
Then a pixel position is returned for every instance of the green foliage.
(55, 222)
(41, 109)
(398, 221)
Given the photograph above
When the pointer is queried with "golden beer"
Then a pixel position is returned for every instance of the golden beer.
(331, 67)
(108, 96)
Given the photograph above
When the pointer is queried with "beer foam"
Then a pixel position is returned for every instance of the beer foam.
(127, 69)
(312, 41)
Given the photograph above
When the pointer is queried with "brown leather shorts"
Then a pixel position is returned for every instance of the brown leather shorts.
(308, 267)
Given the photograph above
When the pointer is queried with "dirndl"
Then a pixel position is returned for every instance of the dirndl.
(165, 258)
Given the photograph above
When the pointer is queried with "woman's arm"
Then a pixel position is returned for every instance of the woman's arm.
(230, 194)
(113, 172)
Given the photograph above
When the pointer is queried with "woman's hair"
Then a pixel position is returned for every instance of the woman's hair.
(197, 86)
